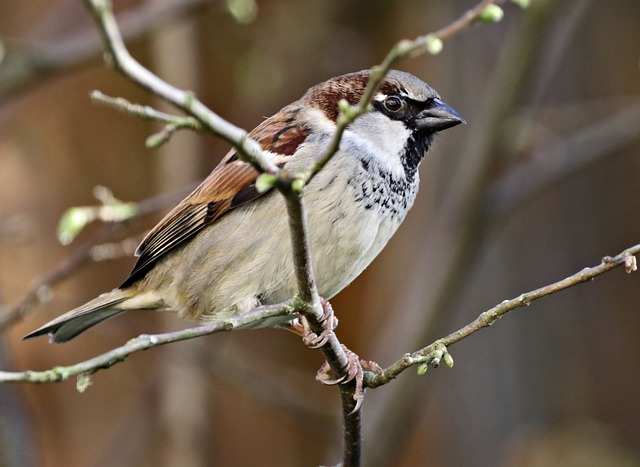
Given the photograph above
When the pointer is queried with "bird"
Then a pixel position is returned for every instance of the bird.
(225, 249)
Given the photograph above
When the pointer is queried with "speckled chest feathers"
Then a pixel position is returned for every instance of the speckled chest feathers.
(391, 194)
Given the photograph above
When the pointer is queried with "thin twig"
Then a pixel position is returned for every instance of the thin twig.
(143, 112)
(402, 49)
(426, 355)
(466, 20)
(117, 55)
(172, 122)
(144, 342)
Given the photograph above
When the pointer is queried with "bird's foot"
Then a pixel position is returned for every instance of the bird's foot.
(355, 372)
(356, 366)
(329, 324)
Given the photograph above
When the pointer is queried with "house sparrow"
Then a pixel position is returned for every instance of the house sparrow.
(225, 248)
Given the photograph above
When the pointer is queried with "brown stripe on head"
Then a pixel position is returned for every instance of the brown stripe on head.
(326, 95)
(349, 87)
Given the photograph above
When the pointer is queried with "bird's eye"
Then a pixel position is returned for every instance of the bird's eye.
(392, 103)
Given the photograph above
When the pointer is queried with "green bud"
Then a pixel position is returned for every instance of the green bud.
(243, 11)
(448, 360)
(156, 140)
(77, 218)
(297, 185)
(434, 44)
(422, 369)
(491, 14)
(522, 3)
(72, 222)
(265, 182)
(83, 382)
(344, 107)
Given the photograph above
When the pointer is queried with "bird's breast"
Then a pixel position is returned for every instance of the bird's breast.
(353, 211)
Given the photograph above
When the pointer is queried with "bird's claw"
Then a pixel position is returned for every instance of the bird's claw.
(329, 324)
(356, 367)
(355, 372)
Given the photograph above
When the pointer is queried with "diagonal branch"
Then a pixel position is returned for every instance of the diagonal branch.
(402, 49)
(143, 342)
(117, 55)
(24, 67)
(432, 353)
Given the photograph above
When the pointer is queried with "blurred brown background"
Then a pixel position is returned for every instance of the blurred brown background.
(542, 182)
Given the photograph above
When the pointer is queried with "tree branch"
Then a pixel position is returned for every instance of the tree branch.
(29, 65)
(553, 161)
(172, 123)
(142, 342)
(402, 49)
(117, 56)
(432, 354)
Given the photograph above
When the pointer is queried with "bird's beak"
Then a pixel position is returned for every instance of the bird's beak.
(437, 117)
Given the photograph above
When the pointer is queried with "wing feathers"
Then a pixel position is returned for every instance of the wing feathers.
(230, 184)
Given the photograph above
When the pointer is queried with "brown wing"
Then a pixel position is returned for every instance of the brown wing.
(229, 185)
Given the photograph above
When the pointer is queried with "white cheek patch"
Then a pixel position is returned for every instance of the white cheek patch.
(372, 136)
(382, 138)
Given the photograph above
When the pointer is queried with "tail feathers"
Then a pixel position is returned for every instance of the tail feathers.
(74, 322)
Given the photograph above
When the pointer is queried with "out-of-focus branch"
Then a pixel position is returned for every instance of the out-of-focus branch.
(40, 288)
(554, 161)
(28, 66)
(259, 378)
